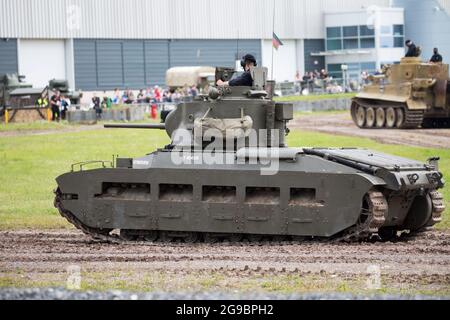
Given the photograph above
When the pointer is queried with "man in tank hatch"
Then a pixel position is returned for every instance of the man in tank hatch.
(248, 61)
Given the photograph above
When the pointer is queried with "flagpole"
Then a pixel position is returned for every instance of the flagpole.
(273, 32)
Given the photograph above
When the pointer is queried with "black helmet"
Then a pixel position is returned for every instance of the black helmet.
(249, 58)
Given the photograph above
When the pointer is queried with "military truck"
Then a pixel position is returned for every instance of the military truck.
(201, 77)
(408, 95)
(228, 174)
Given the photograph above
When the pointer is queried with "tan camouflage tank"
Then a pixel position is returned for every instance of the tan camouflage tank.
(411, 94)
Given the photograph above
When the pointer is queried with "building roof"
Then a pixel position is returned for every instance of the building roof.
(169, 19)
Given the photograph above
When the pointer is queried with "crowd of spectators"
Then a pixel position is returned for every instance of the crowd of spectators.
(153, 95)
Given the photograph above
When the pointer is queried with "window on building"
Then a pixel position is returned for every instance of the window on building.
(398, 30)
(366, 31)
(367, 43)
(334, 32)
(334, 44)
(351, 43)
(386, 30)
(350, 32)
(334, 70)
(386, 42)
(391, 36)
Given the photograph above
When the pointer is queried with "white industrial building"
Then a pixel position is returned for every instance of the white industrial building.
(103, 44)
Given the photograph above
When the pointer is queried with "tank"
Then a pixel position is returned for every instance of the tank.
(408, 95)
(228, 174)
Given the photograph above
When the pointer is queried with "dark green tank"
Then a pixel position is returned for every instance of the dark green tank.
(228, 174)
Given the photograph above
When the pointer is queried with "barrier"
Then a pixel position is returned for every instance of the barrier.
(323, 105)
(127, 113)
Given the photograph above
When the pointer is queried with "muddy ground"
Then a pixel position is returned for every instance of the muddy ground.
(342, 124)
(418, 265)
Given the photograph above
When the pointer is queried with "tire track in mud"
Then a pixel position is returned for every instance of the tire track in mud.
(426, 256)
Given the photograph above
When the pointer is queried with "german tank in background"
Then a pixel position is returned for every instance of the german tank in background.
(408, 95)
(169, 195)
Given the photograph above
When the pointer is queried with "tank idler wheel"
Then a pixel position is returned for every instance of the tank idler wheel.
(400, 117)
(151, 236)
(191, 237)
(438, 206)
(390, 117)
(211, 238)
(370, 117)
(380, 117)
(360, 116)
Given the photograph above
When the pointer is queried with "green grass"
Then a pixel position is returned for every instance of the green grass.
(295, 283)
(37, 125)
(314, 97)
(30, 164)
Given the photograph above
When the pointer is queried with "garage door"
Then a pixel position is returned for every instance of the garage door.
(42, 60)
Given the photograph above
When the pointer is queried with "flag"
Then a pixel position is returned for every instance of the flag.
(276, 42)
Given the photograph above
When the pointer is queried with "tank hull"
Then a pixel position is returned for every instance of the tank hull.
(330, 193)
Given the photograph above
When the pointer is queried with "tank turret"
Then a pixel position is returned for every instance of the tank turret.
(236, 115)
(406, 95)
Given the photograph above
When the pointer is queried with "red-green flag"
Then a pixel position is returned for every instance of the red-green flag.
(276, 42)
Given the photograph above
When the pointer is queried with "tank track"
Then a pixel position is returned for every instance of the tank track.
(412, 118)
(367, 229)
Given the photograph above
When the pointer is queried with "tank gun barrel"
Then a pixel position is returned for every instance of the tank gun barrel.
(159, 126)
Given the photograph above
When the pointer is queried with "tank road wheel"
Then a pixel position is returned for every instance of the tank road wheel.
(151, 236)
(390, 117)
(164, 236)
(360, 117)
(380, 117)
(400, 114)
(254, 237)
(128, 235)
(235, 237)
(191, 237)
(211, 238)
(370, 117)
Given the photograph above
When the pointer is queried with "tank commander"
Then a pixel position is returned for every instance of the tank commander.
(436, 58)
(412, 49)
(248, 61)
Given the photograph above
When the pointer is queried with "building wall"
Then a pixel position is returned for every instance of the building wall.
(8, 56)
(42, 60)
(428, 25)
(284, 60)
(169, 19)
(106, 64)
(364, 40)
